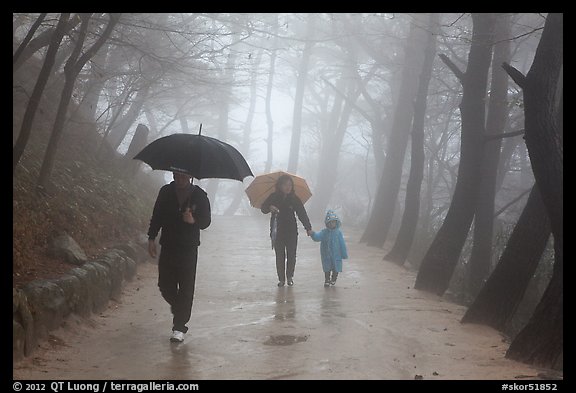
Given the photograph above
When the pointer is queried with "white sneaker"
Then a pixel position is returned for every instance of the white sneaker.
(177, 336)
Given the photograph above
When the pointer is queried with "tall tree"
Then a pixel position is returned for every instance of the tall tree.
(299, 95)
(151, 72)
(385, 201)
(481, 256)
(270, 85)
(499, 298)
(333, 134)
(247, 131)
(541, 341)
(34, 102)
(223, 111)
(442, 256)
(71, 70)
(94, 85)
(401, 248)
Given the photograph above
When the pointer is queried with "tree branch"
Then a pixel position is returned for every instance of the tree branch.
(360, 110)
(513, 201)
(516, 75)
(459, 74)
(502, 136)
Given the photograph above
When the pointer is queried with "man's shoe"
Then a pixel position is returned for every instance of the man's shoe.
(281, 283)
(290, 282)
(177, 336)
(326, 283)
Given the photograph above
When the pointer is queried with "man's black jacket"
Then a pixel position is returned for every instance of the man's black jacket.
(167, 215)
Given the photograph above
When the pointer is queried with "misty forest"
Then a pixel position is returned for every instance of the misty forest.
(437, 138)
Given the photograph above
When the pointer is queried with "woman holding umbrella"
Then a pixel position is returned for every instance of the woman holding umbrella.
(283, 203)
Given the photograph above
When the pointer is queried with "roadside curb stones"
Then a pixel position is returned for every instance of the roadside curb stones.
(43, 305)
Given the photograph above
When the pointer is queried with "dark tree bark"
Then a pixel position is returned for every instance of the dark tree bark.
(299, 96)
(28, 38)
(382, 214)
(405, 237)
(442, 256)
(499, 298)
(541, 341)
(480, 261)
(34, 102)
(71, 70)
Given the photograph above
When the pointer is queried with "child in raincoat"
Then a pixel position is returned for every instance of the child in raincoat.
(332, 247)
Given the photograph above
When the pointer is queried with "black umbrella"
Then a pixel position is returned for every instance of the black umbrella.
(198, 155)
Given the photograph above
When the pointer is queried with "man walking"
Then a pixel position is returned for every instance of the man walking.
(180, 211)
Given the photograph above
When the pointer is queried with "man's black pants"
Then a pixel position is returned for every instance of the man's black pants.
(176, 280)
(285, 248)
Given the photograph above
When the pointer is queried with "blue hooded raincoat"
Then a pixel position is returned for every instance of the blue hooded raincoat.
(332, 245)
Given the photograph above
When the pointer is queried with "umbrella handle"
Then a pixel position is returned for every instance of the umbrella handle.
(200, 130)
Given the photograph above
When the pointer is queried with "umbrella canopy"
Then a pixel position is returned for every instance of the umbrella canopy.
(198, 155)
(264, 185)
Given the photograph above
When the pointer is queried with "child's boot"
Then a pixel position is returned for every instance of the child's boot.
(334, 277)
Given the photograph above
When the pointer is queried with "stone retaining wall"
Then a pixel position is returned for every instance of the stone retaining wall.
(43, 305)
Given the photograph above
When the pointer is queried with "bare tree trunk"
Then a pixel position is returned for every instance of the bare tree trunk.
(481, 256)
(123, 123)
(34, 102)
(72, 69)
(139, 141)
(332, 145)
(442, 256)
(269, 120)
(245, 147)
(88, 107)
(499, 298)
(223, 113)
(119, 130)
(299, 96)
(542, 339)
(380, 220)
(401, 248)
(508, 148)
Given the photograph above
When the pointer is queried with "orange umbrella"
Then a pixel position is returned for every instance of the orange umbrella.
(264, 185)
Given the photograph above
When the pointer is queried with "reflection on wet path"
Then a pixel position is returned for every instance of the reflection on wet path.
(331, 306)
(285, 307)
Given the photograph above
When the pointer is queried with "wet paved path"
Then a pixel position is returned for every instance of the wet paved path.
(371, 325)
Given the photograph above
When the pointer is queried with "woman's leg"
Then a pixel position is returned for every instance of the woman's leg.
(280, 249)
(291, 245)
